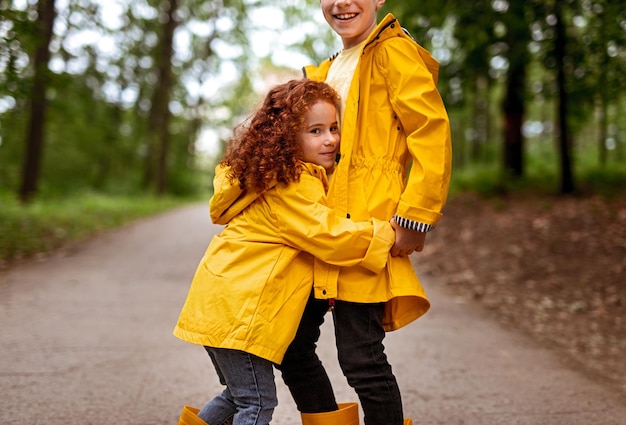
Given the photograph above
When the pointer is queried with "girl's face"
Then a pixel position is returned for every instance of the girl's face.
(320, 135)
(352, 20)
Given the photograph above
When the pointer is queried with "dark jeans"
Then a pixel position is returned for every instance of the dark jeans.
(359, 338)
(250, 394)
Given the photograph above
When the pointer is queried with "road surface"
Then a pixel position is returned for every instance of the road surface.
(87, 339)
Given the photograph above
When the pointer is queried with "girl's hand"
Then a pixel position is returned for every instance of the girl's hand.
(407, 241)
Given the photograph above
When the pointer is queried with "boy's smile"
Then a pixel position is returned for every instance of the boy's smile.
(352, 20)
(345, 16)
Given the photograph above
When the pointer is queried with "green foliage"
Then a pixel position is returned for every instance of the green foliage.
(483, 180)
(481, 44)
(541, 177)
(608, 181)
(44, 226)
(100, 92)
(99, 98)
(313, 37)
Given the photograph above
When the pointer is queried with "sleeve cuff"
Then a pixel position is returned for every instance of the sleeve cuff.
(383, 239)
(413, 225)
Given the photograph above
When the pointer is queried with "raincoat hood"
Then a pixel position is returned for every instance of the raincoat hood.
(229, 199)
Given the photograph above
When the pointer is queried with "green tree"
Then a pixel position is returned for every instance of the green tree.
(517, 36)
(578, 46)
(158, 134)
(565, 142)
(113, 83)
(602, 36)
(46, 14)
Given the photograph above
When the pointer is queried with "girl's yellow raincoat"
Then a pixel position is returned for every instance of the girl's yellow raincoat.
(394, 121)
(255, 278)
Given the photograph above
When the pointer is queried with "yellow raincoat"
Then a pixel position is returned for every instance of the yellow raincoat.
(252, 284)
(394, 121)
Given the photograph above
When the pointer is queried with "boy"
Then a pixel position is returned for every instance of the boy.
(394, 164)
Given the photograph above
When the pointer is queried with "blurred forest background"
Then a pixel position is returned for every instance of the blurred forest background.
(112, 110)
(123, 98)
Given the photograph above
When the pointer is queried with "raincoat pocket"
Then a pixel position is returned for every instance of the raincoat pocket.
(291, 285)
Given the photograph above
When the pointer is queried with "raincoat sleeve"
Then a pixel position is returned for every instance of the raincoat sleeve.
(306, 223)
(411, 80)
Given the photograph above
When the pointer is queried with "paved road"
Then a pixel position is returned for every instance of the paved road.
(86, 339)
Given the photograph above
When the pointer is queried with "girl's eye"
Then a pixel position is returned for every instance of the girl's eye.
(334, 129)
(315, 131)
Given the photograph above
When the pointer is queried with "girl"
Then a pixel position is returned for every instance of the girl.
(251, 287)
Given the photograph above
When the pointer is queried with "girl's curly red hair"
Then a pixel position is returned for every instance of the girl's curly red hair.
(266, 147)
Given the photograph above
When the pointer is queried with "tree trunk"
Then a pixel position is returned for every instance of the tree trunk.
(565, 145)
(513, 106)
(480, 118)
(46, 13)
(514, 109)
(159, 119)
(620, 142)
(603, 125)
(604, 104)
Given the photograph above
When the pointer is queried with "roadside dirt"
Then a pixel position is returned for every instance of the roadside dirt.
(552, 267)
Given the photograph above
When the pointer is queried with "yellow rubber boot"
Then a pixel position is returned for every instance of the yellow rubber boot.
(190, 417)
(348, 414)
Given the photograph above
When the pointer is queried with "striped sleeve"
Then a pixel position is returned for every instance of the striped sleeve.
(413, 225)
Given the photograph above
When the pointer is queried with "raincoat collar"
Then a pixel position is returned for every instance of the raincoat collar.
(387, 28)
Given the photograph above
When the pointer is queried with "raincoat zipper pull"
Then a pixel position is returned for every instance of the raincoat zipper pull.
(331, 304)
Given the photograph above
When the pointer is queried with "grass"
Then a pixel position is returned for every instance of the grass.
(45, 226)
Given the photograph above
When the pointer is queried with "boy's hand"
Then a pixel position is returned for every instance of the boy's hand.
(407, 241)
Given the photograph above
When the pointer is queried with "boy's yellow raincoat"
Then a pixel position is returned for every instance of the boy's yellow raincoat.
(394, 120)
(255, 278)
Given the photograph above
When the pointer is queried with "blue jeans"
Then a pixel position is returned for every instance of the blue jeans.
(359, 338)
(250, 394)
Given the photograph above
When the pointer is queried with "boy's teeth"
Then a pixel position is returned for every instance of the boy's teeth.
(352, 15)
